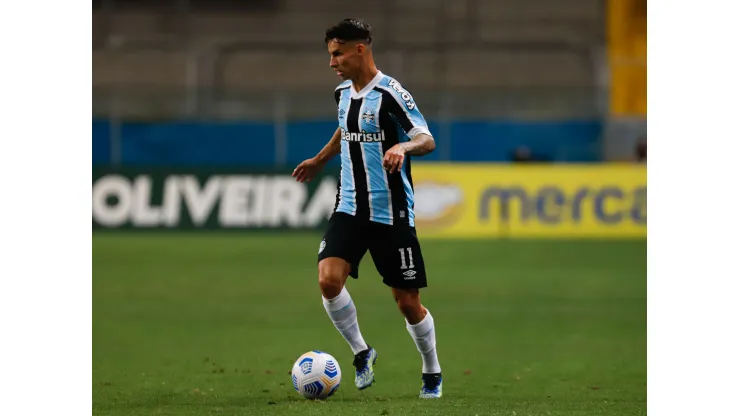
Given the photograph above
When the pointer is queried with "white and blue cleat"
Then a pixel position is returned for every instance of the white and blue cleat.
(431, 386)
(364, 372)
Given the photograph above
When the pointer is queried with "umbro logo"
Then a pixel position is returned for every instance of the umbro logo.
(341, 113)
(410, 274)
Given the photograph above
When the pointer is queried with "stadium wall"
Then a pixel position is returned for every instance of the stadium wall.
(254, 143)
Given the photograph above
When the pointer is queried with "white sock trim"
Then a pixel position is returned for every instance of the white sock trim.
(423, 327)
(339, 302)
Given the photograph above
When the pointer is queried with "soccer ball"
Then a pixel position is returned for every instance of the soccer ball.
(316, 375)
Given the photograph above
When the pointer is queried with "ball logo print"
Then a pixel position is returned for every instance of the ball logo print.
(306, 365)
(316, 375)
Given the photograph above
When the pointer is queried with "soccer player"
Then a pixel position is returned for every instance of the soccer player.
(380, 127)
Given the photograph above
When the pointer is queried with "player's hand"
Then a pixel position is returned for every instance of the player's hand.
(307, 170)
(393, 159)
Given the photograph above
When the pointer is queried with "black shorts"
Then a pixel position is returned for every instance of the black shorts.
(394, 248)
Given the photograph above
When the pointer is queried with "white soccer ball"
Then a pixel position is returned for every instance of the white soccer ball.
(316, 375)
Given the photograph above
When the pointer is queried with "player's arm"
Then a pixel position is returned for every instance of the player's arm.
(331, 149)
(420, 145)
(334, 147)
(406, 113)
(309, 168)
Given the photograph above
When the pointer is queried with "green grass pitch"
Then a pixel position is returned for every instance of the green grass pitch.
(210, 324)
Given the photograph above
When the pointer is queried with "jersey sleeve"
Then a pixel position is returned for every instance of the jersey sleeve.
(401, 105)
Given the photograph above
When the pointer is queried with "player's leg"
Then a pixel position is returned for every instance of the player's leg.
(420, 325)
(398, 258)
(339, 256)
(333, 272)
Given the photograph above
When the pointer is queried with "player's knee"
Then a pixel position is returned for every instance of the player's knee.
(332, 275)
(330, 285)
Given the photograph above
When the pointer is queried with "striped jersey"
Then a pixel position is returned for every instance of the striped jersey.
(372, 121)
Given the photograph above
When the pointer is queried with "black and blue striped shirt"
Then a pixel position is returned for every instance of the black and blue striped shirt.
(372, 121)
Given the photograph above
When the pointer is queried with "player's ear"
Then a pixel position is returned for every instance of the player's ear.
(360, 48)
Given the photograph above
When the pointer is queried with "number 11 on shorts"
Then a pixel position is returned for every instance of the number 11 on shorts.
(403, 258)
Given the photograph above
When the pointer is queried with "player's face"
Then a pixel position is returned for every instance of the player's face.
(345, 58)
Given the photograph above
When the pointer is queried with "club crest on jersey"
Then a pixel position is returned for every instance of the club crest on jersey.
(368, 116)
(405, 96)
(363, 137)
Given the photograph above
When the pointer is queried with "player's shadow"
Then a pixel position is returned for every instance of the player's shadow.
(369, 397)
(293, 398)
